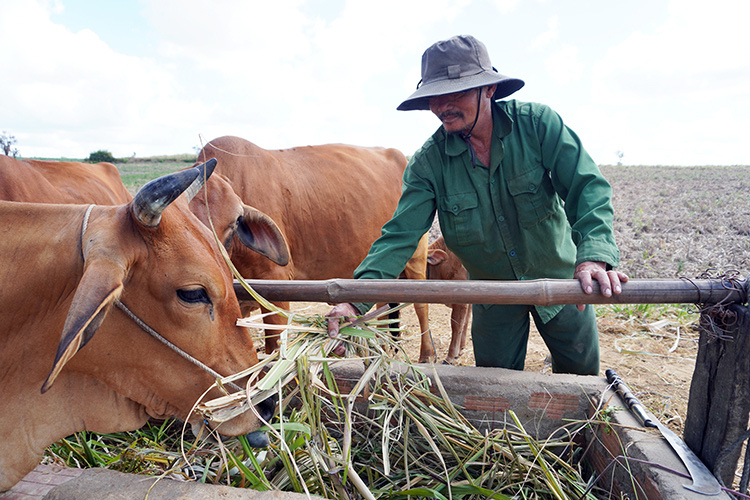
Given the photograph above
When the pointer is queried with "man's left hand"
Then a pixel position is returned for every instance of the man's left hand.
(609, 281)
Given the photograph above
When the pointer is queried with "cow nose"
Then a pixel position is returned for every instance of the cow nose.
(267, 407)
(259, 439)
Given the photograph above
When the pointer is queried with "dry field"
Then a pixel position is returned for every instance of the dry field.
(670, 222)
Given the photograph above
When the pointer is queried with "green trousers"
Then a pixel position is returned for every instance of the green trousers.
(500, 333)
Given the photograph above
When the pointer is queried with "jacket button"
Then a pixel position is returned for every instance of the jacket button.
(531, 187)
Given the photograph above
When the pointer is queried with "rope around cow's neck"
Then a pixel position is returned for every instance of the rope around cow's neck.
(138, 321)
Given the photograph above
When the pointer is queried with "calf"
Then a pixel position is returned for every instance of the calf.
(442, 264)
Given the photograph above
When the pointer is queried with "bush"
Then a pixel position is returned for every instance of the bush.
(101, 155)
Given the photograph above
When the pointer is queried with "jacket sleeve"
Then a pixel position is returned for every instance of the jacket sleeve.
(587, 195)
(400, 236)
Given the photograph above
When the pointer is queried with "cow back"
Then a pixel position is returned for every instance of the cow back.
(330, 201)
(43, 181)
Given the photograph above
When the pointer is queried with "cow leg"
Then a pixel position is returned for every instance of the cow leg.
(459, 326)
(394, 317)
(426, 345)
(416, 269)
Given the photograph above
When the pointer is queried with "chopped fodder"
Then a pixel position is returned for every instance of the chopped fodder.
(395, 433)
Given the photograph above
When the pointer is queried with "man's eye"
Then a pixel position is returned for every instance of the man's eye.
(193, 296)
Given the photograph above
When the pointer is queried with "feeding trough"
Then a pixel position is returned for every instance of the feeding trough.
(653, 469)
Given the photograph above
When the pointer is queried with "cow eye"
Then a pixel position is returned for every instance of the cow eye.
(193, 296)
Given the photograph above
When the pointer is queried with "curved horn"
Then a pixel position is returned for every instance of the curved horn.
(208, 169)
(151, 200)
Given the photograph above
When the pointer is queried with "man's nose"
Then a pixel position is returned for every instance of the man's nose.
(439, 104)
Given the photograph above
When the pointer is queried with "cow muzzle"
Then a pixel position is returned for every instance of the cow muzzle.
(247, 423)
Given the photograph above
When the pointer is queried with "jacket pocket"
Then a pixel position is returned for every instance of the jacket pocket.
(534, 197)
(462, 218)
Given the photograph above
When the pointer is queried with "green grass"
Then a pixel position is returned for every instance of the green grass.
(684, 314)
(135, 172)
(409, 440)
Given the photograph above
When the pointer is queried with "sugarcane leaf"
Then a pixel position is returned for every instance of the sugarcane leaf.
(461, 490)
(356, 332)
(289, 426)
(256, 482)
(419, 492)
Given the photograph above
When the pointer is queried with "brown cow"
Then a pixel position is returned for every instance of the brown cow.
(330, 203)
(42, 181)
(63, 269)
(442, 264)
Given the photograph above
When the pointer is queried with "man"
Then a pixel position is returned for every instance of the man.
(517, 198)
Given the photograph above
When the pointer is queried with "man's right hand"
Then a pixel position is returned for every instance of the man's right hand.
(340, 313)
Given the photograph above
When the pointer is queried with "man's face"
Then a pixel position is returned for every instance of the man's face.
(455, 111)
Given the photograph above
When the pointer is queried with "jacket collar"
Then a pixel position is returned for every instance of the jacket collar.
(502, 125)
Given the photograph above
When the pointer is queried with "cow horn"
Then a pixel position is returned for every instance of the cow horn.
(198, 183)
(151, 200)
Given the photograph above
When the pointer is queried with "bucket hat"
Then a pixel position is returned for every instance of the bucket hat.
(454, 65)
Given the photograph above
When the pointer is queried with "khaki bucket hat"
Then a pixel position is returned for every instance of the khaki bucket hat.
(454, 65)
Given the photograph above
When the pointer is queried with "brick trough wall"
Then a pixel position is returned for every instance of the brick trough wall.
(546, 403)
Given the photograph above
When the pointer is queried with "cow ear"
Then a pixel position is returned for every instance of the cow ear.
(257, 231)
(100, 285)
(436, 256)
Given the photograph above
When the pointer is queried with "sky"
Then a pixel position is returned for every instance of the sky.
(643, 82)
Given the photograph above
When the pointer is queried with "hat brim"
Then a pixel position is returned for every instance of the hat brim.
(420, 99)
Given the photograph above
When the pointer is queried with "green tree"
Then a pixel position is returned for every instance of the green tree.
(101, 155)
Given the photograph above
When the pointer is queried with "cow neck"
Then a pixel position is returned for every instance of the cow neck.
(138, 321)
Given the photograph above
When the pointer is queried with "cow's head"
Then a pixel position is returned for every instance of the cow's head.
(155, 257)
(219, 207)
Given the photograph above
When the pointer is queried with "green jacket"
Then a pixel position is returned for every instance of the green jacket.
(540, 209)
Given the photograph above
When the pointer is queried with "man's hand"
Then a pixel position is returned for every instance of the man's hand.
(339, 313)
(609, 281)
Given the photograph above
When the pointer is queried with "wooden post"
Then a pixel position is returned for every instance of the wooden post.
(719, 404)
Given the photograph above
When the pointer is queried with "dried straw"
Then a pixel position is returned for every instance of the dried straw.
(395, 434)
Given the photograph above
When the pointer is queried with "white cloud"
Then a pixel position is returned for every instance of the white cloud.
(308, 71)
(66, 84)
(505, 6)
(553, 33)
(563, 65)
(695, 64)
(694, 52)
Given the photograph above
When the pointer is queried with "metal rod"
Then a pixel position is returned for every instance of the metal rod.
(542, 292)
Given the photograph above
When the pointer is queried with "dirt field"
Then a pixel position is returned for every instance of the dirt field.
(670, 222)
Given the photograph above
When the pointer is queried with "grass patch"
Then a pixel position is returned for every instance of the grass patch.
(135, 172)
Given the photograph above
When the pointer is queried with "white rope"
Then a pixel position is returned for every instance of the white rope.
(169, 344)
(85, 226)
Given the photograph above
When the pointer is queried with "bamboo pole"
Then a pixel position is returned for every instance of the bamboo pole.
(542, 292)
